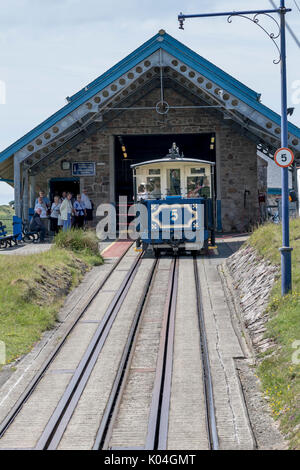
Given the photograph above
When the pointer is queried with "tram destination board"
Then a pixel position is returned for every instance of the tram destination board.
(83, 169)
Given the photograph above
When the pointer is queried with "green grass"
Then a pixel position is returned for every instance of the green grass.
(279, 373)
(78, 241)
(6, 215)
(32, 291)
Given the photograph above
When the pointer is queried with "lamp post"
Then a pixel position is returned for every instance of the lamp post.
(286, 255)
(286, 265)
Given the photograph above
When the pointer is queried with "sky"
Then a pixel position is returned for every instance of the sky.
(49, 49)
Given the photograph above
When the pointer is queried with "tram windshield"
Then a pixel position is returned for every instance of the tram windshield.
(173, 182)
(182, 179)
(149, 187)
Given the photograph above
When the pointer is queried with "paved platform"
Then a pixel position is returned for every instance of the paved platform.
(225, 345)
(108, 249)
(187, 426)
(26, 249)
(115, 249)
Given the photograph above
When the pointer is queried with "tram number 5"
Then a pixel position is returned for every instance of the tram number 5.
(174, 214)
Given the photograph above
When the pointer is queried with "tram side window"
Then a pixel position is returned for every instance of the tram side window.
(153, 187)
(198, 186)
(173, 182)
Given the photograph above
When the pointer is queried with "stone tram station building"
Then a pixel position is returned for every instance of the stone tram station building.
(161, 93)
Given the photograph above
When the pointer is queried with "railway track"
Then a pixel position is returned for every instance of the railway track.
(157, 434)
(56, 426)
(158, 419)
(37, 378)
(207, 378)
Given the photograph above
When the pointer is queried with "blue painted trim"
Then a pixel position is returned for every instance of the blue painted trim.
(70, 178)
(274, 191)
(4, 180)
(183, 51)
(135, 55)
(177, 49)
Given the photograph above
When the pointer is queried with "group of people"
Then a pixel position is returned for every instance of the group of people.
(196, 187)
(150, 190)
(63, 213)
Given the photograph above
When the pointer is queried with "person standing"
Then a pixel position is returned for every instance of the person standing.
(40, 204)
(66, 210)
(55, 214)
(88, 207)
(80, 212)
(45, 199)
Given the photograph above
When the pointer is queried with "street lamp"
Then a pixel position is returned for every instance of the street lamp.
(286, 265)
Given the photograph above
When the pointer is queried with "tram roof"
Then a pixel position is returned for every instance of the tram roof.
(173, 160)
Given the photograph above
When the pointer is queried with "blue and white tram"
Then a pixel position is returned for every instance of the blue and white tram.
(177, 198)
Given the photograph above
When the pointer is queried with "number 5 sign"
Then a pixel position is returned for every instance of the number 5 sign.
(284, 157)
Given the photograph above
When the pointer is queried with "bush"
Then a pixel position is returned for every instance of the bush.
(78, 240)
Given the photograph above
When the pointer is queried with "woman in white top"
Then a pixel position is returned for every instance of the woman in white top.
(66, 210)
(55, 214)
(40, 204)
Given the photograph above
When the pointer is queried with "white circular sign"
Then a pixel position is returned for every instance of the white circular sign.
(284, 157)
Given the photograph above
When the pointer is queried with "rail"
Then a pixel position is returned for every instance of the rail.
(35, 381)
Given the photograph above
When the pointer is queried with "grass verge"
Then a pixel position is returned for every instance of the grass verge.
(6, 217)
(279, 371)
(34, 287)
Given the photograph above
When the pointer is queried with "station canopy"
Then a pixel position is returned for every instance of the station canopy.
(161, 61)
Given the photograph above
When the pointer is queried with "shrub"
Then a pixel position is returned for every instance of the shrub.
(78, 240)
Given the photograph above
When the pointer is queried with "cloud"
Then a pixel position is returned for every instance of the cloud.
(50, 50)
(6, 193)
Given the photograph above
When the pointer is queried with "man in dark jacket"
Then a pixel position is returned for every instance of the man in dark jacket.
(36, 224)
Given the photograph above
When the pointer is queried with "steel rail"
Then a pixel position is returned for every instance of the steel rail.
(159, 410)
(36, 379)
(207, 378)
(106, 426)
(61, 416)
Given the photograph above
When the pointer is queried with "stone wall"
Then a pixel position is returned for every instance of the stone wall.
(236, 155)
(253, 280)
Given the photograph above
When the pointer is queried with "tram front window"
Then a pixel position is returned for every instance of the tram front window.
(173, 182)
(154, 187)
(198, 186)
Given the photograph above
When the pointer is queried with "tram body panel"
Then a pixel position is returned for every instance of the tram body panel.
(175, 221)
(178, 194)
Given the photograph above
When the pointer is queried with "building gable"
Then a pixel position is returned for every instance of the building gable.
(164, 57)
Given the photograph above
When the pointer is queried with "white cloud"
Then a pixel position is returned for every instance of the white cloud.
(6, 193)
(49, 50)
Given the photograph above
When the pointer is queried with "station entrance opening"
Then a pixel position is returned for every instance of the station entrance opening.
(131, 149)
(58, 185)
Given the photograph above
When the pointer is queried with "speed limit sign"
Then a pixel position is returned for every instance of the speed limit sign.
(284, 157)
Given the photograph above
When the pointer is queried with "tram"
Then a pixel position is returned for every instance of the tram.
(176, 197)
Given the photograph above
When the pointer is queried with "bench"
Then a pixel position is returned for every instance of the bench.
(7, 240)
(29, 235)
